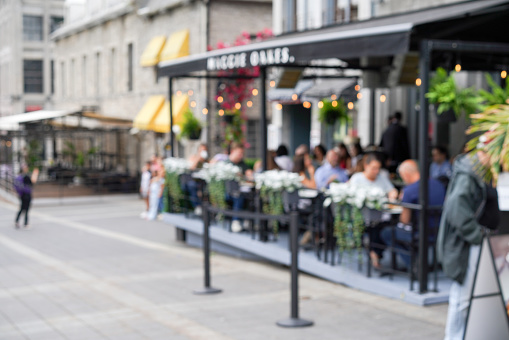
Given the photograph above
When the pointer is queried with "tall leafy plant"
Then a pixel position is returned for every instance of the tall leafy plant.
(497, 94)
(332, 111)
(444, 93)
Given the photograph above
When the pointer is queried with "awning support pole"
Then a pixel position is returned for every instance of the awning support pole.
(170, 100)
(372, 119)
(424, 65)
(263, 119)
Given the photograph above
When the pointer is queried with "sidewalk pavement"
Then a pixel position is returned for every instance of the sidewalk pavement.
(98, 271)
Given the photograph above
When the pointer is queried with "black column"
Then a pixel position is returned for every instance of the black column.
(424, 65)
(372, 120)
(170, 99)
(263, 118)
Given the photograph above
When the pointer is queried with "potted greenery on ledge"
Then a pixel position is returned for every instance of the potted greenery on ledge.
(191, 126)
(332, 111)
(449, 100)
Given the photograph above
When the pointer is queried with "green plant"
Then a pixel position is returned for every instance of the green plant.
(174, 191)
(348, 227)
(233, 131)
(33, 154)
(191, 126)
(444, 93)
(272, 205)
(496, 95)
(492, 125)
(332, 111)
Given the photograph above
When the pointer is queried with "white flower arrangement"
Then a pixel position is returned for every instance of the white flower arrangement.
(220, 171)
(278, 180)
(176, 165)
(358, 196)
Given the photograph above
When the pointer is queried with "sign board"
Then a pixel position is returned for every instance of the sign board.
(503, 191)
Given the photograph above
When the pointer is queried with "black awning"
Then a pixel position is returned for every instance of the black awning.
(378, 37)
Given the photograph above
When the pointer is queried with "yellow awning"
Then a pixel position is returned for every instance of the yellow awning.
(148, 113)
(162, 121)
(152, 53)
(177, 46)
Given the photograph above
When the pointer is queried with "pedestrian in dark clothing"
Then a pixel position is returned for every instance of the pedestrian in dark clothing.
(470, 204)
(23, 185)
(395, 143)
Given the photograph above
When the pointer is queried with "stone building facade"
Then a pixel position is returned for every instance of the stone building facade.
(97, 54)
(26, 78)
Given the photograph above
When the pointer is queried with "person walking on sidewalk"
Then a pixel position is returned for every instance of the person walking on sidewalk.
(23, 185)
(470, 204)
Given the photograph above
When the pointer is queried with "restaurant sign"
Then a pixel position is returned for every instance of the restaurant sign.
(276, 56)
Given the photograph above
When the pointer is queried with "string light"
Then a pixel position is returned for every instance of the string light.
(249, 103)
(418, 81)
(238, 106)
(272, 83)
(503, 74)
(8, 143)
(205, 111)
(320, 104)
(359, 95)
(457, 68)
(221, 112)
(350, 106)
(254, 92)
(357, 87)
(383, 98)
(334, 103)
(190, 92)
(307, 105)
(193, 104)
(333, 97)
(179, 93)
(279, 107)
(220, 99)
(294, 96)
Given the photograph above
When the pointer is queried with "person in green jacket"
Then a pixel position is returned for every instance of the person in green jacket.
(460, 236)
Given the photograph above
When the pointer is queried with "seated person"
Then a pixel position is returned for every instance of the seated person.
(345, 160)
(190, 185)
(303, 164)
(372, 176)
(271, 163)
(409, 173)
(330, 171)
(282, 159)
(440, 168)
(237, 158)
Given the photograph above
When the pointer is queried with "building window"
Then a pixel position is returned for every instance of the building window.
(52, 76)
(62, 81)
(32, 76)
(112, 71)
(72, 75)
(32, 28)
(55, 23)
(130, 67)
(289, 16)
(84, 76)
(98, 74)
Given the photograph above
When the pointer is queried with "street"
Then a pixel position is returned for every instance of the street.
(98, 271)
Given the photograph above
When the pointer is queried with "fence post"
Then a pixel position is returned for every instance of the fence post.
(207, 289)
(294, 320)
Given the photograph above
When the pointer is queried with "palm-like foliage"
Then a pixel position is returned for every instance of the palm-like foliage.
(493, 126)
(497, 95)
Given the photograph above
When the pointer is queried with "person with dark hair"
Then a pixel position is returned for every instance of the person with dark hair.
(440, 167)
(356, 153)
(282, 159)
(302, 164)
(395, 142)
(23, 185)
(345, 161)
(271, 163)
(319, 153)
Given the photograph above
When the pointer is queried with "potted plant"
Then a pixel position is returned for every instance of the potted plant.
(496, 95)
(451, 102)
(191, 126)
(332, 111)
